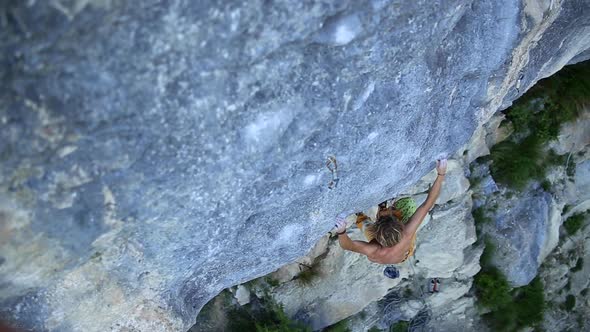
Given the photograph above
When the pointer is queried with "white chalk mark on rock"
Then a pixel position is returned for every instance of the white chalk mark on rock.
(310, 179)
(340, 31)
(364, 96)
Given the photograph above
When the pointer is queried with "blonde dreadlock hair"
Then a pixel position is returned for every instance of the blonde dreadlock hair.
(387, 231)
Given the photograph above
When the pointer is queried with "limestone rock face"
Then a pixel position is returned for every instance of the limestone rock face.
(573, 136)
(345, 283)
(154, 153)
(485, 137)
(456, 184)
(520, 230)
(565, 274)
(582, 180)
(242, 295)
(451, 229)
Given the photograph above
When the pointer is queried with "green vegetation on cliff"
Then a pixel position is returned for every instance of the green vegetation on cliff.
(574, 222)
(508, 309)
(266, 316)
(537, 117)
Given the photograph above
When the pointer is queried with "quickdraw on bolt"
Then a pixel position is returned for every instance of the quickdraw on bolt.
(332, 165)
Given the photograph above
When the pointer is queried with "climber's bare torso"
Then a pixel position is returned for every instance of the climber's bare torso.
(393, 255)
(399, 252)
(396, 254)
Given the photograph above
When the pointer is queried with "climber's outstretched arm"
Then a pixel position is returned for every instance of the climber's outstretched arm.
(420, 214)
(357, 246)
(346, 243)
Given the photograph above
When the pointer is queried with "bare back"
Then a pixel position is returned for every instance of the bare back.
(391, 255)
(399, 252)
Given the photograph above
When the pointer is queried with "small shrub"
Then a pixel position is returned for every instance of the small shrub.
(536, 118)
(556, 159)
(574, 223)
(520, 115)
(492, 288)
(272, 282)
(338, 327)
(475, 181)
(570, 303)
(408, 292)
(479, 216)
(489, 250)
(529, 302)
(374, 329)
(502, 319)
(308, 273)
(556, 99)
(267, 316)
(571, 168)
(546, 185)
(584, 292)
(566, 208)
(401, 326)
(516, 163)
(509, 309)
(579, 265)
(522, 307)
(251, 284)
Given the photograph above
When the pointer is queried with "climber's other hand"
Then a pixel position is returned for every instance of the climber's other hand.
(340, 225)
(441, 166)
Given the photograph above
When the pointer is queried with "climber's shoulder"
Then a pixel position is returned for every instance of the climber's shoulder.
(379, 254)
(389, 255)
(366, 248)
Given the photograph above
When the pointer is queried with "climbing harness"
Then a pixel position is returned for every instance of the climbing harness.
(332, 165)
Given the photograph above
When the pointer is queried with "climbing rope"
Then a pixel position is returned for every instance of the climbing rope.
(420, 321)
(423, 317)
(390, 305)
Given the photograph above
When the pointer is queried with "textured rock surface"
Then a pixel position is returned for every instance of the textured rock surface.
(322, 302)
(566, 269)
(346, 283)
(526, 224)
(289, 271)
(456, 184)
(565, 273)
(582, 180)
(522, 229)
(439, 250)
(573, 136)
(242, 295)
(484, 137)
(155, 153)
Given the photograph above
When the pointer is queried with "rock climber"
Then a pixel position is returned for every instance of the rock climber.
(392, 237)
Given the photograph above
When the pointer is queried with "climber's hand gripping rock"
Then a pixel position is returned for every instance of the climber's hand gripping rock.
(340, 226)
(441, 166)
